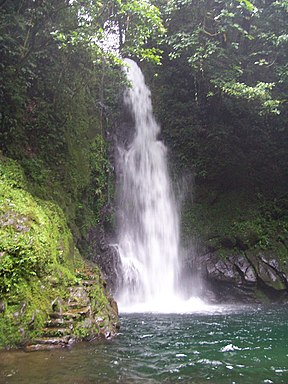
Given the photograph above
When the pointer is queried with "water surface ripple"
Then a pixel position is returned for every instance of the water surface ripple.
(242, 346)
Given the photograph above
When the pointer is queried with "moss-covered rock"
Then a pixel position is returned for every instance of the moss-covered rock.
(39, 264)
(246, 277)
(242, 247)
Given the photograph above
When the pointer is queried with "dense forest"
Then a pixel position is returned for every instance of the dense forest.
(221, 97)
(218, 74)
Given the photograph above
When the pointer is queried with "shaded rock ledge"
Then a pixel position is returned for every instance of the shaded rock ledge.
(245, 277)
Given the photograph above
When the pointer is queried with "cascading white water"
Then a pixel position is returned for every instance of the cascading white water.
(149, 237)
(149, 224)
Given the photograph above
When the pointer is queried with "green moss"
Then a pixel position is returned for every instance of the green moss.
(237, 221)
(260, 295)
(34, 237)
(38, 260)
(82, 332)
(25, 312)
(11, 174)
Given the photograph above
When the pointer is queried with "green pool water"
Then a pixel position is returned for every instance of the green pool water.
(246, 345)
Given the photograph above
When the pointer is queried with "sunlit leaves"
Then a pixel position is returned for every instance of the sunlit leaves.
(231, 42)
(282, 4)
(247, 4)
(260, 93)
(139, 21)
(117, 26)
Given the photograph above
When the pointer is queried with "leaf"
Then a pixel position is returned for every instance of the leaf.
(247, 4)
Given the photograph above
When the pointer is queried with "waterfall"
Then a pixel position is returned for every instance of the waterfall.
(148, 241)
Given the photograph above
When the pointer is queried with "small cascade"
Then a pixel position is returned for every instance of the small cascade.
(148, 241)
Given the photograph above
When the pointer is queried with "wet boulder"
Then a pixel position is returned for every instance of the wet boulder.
(245, 277)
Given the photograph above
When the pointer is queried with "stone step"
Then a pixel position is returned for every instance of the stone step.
(56, 331)
(88, 283)
(90, 275)
(43, 347)
(64, 340)
(76, 305)
(58, 323)
(76, 313)
(73, 313)
(56, 316)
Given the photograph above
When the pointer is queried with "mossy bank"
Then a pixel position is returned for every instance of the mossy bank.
(41, 269)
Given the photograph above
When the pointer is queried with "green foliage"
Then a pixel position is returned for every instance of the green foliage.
(37, 262)
(221, 94)
(142, 22)
(114, 25)
(25, 314)
(99, 190)
(56, 101)
(100, 169)
(60, 88)
(11, 174)
(236, 222)
(261, 93)
(35, 243)
(247, 4)
(33, 234)
(229, 45)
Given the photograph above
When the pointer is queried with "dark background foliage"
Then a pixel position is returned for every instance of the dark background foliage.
(220, 95)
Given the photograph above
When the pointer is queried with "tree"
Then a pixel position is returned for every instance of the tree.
(227, 66)
(34, 33)
(234, 46)
(60, 91)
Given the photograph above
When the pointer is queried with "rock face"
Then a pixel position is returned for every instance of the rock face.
(102, 238)
(244, 277)
(105, 255)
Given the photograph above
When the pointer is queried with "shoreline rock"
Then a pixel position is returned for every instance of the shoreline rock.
(246, 277)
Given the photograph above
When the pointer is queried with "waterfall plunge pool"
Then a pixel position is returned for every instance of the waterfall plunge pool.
(241, 345)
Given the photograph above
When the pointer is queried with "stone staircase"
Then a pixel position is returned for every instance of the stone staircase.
(72, 319)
